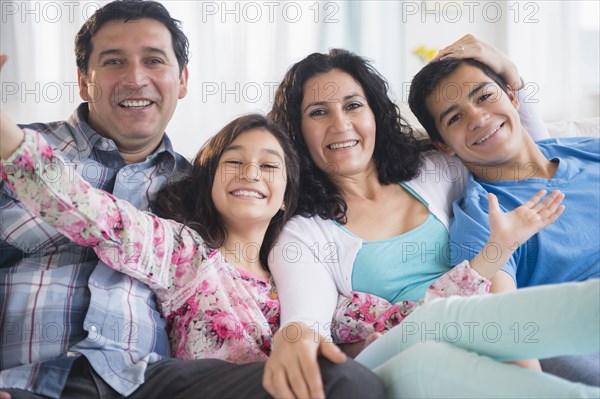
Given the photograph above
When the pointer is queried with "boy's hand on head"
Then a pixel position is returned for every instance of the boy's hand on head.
(469, 46)
(509, 230)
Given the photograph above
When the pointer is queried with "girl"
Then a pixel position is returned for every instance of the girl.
(209, 273)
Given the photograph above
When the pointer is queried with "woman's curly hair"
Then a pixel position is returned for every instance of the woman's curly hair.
(189, 200)
(397, 151)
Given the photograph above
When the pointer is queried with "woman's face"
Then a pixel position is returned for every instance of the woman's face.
(337, 124)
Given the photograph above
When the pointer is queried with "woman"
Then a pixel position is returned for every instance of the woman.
(361, 231)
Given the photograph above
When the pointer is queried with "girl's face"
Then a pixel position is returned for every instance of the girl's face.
(337, 124)
(250, 180)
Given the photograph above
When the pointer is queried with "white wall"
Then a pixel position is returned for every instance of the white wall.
(240, 51)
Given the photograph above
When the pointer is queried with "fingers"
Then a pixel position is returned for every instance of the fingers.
(332, 352)
(462, 48)
(275, 382)
(371, 338)
(533, 201)
(3, 59)
(493, 204)
(547, 211)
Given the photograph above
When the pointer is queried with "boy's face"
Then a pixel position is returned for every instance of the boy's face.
(478, 121)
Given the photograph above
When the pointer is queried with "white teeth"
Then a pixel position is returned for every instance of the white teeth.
(343, 145)
(487, 136)
(246, 193)
(135, 104)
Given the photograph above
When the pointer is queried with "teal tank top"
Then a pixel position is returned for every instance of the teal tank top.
(403, 267)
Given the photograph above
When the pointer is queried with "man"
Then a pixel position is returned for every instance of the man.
(72, 327)
(470, 112)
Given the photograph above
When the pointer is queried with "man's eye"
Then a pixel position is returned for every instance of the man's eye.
(155, 61)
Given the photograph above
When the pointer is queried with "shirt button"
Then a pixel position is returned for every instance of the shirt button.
(104, 145)
(93, 328)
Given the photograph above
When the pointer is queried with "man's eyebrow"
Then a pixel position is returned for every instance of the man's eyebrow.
(472, 94)
(115, 51)
(323, 102)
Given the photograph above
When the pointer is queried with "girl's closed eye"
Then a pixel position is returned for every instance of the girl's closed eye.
(270, 165)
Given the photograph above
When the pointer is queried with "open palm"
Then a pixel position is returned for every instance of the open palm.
(511, 229)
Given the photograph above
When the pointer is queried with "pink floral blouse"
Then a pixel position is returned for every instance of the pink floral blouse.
(213, 309)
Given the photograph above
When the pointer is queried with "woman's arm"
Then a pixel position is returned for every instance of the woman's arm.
(308, 296)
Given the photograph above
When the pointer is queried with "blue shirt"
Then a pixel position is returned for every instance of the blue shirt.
(403, 267)
(57, 300)
(568, 249)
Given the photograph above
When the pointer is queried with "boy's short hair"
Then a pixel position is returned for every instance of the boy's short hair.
(426, 83)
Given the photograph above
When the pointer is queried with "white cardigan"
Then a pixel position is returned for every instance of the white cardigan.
(313, 259)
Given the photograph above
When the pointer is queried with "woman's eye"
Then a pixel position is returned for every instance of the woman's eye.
(353, 106)
(316, 113)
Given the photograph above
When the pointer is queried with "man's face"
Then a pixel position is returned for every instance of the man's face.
(478, 121)
(133, 83)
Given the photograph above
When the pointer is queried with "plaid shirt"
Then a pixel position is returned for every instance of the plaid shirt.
(56, 299)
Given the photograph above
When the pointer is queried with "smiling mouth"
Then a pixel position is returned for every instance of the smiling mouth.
(487, 136)
(135, 104)
(346, 144)
(247, 193)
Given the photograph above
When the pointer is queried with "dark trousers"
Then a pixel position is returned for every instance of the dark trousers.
(211, 378)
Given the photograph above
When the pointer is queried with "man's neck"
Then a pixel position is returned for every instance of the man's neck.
(529, 163)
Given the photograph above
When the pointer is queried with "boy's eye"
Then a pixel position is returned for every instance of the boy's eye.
(485, 97)
(453, 119)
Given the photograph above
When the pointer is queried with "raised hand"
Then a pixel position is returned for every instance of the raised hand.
(10, 134)
(469, 46)
(509, 230)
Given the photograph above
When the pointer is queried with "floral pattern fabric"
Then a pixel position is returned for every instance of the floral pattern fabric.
(213, 309)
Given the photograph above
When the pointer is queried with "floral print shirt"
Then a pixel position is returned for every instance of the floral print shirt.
(213, 309)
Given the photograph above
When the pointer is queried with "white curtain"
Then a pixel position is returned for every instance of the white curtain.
(240, 50)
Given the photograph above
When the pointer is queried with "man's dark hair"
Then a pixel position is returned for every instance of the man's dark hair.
(426, 82)
(129, 10)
